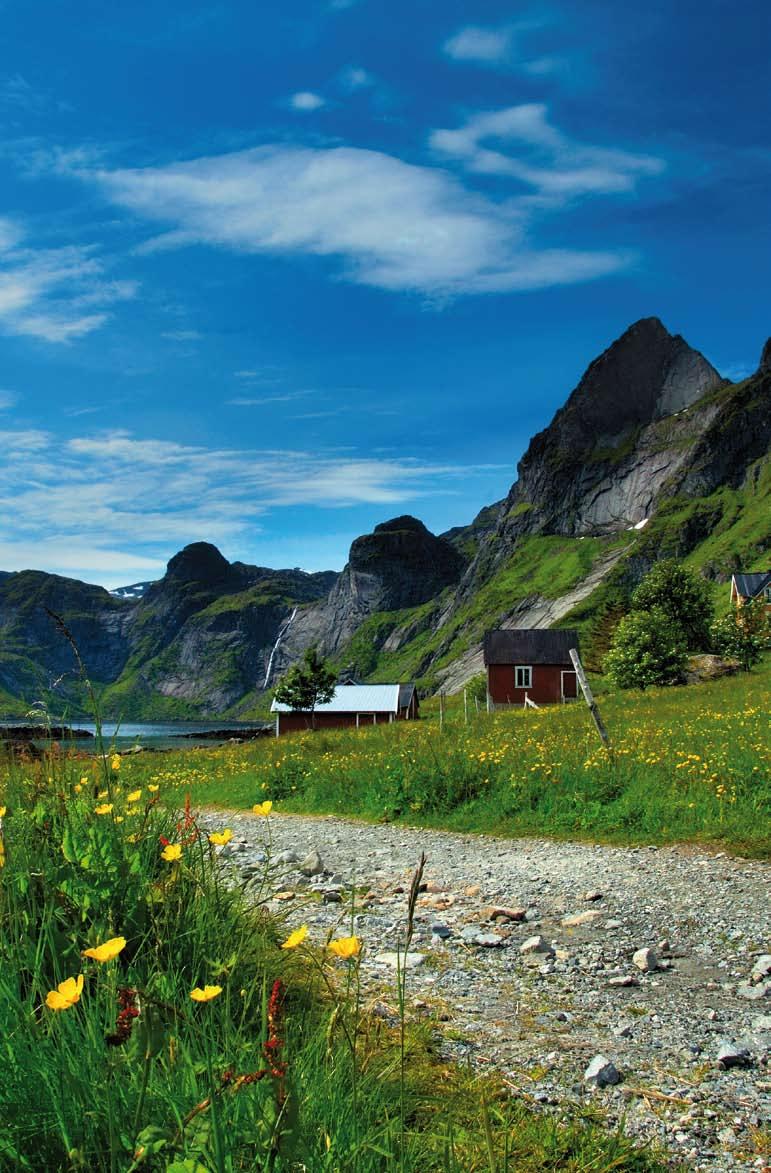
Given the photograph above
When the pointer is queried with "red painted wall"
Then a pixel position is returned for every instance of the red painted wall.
(546, 688)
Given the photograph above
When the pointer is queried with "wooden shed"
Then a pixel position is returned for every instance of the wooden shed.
(354, 705)
(532, 663)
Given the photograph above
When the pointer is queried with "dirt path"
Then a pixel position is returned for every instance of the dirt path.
(541, 1016)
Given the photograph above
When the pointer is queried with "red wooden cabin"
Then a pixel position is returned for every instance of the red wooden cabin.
(532, 663)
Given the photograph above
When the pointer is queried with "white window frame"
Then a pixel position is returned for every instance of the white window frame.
(528, 681)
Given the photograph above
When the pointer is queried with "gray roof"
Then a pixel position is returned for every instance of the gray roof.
(529, 645)
(357, 698)
(750, 585)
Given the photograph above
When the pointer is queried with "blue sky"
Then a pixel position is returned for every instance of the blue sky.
(271, 274)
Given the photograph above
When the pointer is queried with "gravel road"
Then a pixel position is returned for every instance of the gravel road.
(581, 987)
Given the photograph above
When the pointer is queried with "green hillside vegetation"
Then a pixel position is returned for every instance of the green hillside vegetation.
(691, 763)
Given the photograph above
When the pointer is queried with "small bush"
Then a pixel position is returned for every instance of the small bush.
(648, 647)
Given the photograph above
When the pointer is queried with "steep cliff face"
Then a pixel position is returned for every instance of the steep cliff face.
(605, 456)
(33, 654)
(400, 565)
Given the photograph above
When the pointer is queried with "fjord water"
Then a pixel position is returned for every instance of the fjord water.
(153, 735)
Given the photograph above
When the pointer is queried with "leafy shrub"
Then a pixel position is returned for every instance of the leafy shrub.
(681, 595)
(648, 647)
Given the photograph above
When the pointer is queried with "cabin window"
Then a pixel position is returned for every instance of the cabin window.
(523, 677)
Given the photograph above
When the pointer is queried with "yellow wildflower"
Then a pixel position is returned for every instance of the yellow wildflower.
(66, 994)
(220, 838)
(115, 761)
(3, 809)
(345, 947)
(171, 852)
(206, 994)
(134, 796)
(84, 780)
(296, 938)
(107, 951)
(104, 808)
(153, 787)
(263, 808)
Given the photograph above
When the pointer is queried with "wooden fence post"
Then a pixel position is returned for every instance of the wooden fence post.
(592, 704)
(465, 706)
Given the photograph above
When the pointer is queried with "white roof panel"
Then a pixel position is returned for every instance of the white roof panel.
(355, 698)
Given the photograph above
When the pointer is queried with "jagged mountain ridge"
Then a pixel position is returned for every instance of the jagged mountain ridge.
(651, 431)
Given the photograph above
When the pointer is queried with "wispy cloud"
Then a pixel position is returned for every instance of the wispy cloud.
(353, 78)
(7, 399)
(182, 335)
(306, 101)
(158, 495)
(44, 291)
(388, 224)
(480, 43)
(260, 400)
(520, 143)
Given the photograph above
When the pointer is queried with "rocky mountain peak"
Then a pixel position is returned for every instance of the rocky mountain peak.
(590, 469)
(405, 522)
(765, 359)
(198, 562)
(644, 375)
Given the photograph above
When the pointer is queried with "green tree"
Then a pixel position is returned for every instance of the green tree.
(648, 647)
(681, 595)
(307, 685)
(743, 634)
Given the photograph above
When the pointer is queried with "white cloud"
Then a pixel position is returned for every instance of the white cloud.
(387, 223)
(305, 100)
(480, 43)
(44, 291)
(353, 77)
(158, 495)
(519, 142)
(7, 399)
(79, 559)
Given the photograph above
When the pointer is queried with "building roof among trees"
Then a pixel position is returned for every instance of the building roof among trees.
(530, 645)
(750, 585)
(359, 698)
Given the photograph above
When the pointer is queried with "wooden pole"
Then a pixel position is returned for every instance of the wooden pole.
(441, 711)
(465, 706)
(592, 704)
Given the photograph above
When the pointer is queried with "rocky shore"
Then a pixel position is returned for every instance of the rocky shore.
(633, 982)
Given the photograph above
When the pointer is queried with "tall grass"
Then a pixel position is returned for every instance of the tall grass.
(271, 1065)
(686, 764)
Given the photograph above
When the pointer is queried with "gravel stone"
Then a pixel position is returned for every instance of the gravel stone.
(601, 1073)
(508, 1010)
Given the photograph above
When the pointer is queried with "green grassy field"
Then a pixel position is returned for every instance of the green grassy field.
(151, 1020)
(687, 764)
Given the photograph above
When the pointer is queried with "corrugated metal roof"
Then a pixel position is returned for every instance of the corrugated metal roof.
(405, 694)
(529, 645)
(750, 585)
(355, 698)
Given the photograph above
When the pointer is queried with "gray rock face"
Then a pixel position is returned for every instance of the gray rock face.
(591, 468)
